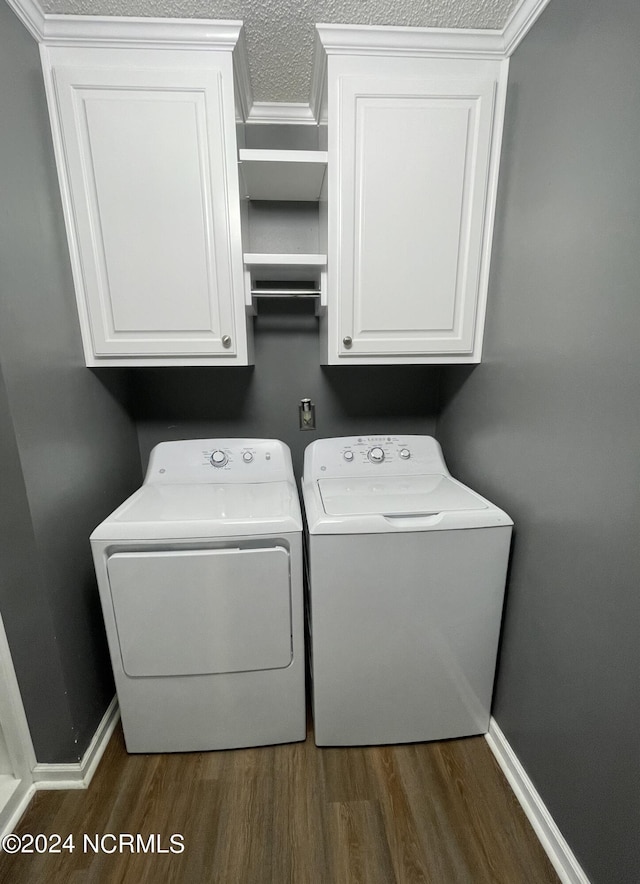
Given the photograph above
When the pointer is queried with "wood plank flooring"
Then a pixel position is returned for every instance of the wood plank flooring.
(431, 813)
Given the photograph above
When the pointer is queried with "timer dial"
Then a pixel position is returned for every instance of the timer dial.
(376, 454)
(218, 458)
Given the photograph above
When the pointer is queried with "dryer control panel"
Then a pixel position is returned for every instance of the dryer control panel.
(220, 460)
(377, 455)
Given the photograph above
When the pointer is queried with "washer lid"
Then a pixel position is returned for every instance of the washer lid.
(397, 496)
(388, 504)
(159, 512)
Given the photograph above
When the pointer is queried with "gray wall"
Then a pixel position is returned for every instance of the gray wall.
(182, 403)
(23, 604)
(68, 446)
(549, 425)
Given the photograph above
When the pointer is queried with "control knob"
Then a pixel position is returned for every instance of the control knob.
(247, 456)
(376, 455)
(218, 458)
(348, 455)
(405, 454)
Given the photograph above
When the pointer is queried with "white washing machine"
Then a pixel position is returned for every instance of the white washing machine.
(200, 579)
(407, 570)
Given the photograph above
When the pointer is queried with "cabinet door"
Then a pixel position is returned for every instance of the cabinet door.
(412, 187)
(150, 173)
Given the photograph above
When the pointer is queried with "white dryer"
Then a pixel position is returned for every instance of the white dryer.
(407, 571)
(200, 579)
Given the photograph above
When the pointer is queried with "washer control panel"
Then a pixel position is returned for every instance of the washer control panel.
(373, 455)
(220, 460)
(376, 454)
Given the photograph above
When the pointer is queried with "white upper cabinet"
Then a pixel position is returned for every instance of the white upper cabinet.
(413, 159)
(147, 159)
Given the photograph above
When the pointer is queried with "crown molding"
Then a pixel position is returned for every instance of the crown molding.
(127, 32)
(281, 113)
(31, 15)
(335, 39)
(420, 42)
(524, 15)
(130, 32)
(123, 32)
(427, 42)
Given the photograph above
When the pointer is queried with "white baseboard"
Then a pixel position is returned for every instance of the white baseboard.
(14, 807)
(549, 835)
(78, 775)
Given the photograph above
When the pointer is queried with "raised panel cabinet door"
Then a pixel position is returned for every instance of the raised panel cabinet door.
(413, 169)
(147, 163)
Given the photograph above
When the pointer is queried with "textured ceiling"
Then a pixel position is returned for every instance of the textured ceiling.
(280, 33)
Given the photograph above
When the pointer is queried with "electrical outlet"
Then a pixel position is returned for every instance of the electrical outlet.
(307, 414)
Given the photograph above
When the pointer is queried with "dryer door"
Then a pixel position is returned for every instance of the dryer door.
(197, 612)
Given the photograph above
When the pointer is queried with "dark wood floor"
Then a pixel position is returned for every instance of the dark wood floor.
(436, 812)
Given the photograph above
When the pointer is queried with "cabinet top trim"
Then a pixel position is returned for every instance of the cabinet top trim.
(376, 40)
(335, 39)
(127, 31)
(165, 33)
(124, 32)
(338, 39)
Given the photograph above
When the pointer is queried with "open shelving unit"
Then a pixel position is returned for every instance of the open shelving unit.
(279, 176)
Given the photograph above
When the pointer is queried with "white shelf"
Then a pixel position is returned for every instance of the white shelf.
(293, 175)
(294, 271)
(285, 268)
(289, 260)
